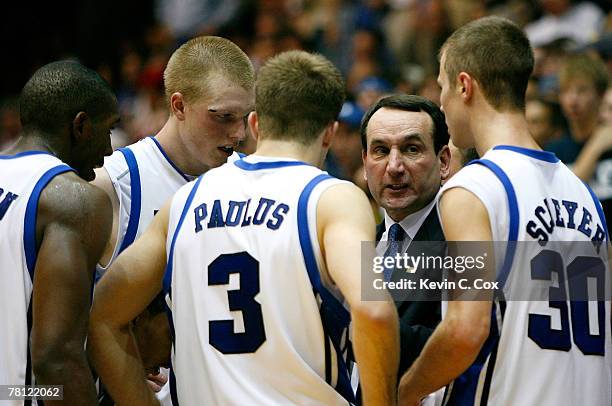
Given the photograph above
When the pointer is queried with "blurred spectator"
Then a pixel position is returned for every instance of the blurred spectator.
(583, 81)
(328, 26)
(461, 12)
(581, 21)
(430, 89)
(605, 112)
(545, 121)
(188, 18)
(367, 58)
(10, 125)
(588, 145)
(549, 59)
(346, 147)
(149, 111)
(370, 90)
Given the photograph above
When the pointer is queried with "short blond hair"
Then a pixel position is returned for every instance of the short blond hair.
(297, 95)
(199, 59)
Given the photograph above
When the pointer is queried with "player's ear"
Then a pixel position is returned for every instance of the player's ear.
(177, 105)
(444, 156)
(81, 126)
(253, 122)
(466, 85)
(329, 134)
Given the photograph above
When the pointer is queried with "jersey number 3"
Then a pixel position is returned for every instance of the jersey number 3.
(221, 332)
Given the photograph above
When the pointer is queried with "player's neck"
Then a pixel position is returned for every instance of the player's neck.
(501, 128)
(169, 139)
(34, 141)
(287, 149)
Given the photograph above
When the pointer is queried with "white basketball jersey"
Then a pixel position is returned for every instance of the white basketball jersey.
(545, 353)
(22, 178)
(144, 179)
(253, 321)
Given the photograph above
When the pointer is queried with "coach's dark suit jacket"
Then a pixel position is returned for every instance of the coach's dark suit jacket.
(417, 319)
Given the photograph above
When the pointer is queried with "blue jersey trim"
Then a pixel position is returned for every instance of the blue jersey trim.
(533, 153)
(334, 317)
(247, 166)
(29, 229)
(169, 267)
(25, 153)
(135, 199)
(173, 391)
(28, 374)
(514, 217)
(600, 212)
(463, 391)
(29, 244)
(176, 168)
(241, 155)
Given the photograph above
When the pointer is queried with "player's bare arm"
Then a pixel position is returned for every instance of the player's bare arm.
(122, 294)
(456, 342)
(344, 220)
(104, 182)
(73, 224)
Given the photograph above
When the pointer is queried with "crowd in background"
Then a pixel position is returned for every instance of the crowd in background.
(381, 46)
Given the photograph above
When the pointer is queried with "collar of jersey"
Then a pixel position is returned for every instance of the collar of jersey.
(266, 163)
(188, 178)
(533, 153)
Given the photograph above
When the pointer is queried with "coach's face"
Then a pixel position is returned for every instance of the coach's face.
(214, 125)
(401, 167)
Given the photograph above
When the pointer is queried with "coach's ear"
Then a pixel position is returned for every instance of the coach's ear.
(177, 105)
(254, 125)
(81, 127)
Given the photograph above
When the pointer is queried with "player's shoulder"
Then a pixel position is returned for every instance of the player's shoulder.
(70, 198)
(341, 198)
(119, 156)
(340, 187)
(471, 175)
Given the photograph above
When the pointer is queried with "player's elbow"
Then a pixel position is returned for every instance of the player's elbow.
(51, 363)
(468, 337)
(377, 315)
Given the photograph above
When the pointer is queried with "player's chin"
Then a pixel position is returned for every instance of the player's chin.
(219, 159)
(87, 174)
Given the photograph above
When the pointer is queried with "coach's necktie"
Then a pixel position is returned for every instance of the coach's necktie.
(395, 238)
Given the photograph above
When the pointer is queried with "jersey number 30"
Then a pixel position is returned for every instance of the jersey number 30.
(221, 332)
(578, 272)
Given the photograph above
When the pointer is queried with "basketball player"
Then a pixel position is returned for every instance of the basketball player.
(209, 88)
(53, 227)
(511, 353)
(261, 254)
